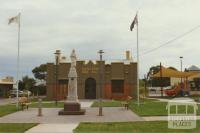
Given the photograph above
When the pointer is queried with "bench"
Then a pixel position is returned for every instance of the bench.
(125, 104)
(23, 101)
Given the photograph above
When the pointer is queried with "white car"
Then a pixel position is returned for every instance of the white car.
(13, 93)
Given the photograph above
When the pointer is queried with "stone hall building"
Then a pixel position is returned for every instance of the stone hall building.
(119, 78)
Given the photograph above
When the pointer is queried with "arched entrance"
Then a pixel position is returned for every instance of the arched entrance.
(90, 88)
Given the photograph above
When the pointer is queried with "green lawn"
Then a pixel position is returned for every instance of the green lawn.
(15, 127)
(148, 107)
(7, 109)
(154, 108)
(11, 108)
(196, 98)
(131, 127)
(112, 103)
(47, 105)
(35, 99)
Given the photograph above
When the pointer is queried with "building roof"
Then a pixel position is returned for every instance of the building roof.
(193, 68)
(7, 80)
(166, 72)
(124, 61)
(6, 83)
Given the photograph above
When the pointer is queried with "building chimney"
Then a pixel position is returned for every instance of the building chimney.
(63, 59)
(128, 56)
(58, 55)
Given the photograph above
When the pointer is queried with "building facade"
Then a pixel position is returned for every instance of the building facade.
(194, 80)
(6, 84)
(119, 78)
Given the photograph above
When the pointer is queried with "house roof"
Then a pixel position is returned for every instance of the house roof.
(166, 72)
(6, 83)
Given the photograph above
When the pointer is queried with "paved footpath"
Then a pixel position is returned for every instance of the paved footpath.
(50, 115)
(58, 128)
(160, 118)
(53, 128)
(51, 122)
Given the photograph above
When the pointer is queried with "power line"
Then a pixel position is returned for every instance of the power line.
(172, 40)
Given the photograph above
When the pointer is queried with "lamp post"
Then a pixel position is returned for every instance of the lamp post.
(100, 84)
(181, 62)
(57, 55)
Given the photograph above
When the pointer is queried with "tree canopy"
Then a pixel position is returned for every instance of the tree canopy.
(40, 72)
(27, 83)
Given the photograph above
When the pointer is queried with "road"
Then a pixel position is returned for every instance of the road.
(7, 101)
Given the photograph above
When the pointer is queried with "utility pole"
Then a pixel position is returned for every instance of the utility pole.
(161, 80)
(100, 83)
(181, 62)
(145, 85)
(57, 55)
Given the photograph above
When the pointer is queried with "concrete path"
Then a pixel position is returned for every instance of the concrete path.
(53, 128)
(155, 118)
(59, 128)
(50, 115)
(160, 118)
(51, 122)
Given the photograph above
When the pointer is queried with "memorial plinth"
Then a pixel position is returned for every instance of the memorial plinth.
(72, 109)
(72, 105)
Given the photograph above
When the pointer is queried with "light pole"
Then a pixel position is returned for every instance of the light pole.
(181, 61)
(100, 84)
(57, 55)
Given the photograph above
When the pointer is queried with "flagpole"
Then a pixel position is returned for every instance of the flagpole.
(18, 60)
(138, 83)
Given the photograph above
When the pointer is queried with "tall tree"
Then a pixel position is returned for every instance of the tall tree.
(29, 83)
(40, 72)
(153, 70)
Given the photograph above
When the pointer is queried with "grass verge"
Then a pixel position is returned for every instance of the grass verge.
(7, 109)
(148, 107)
(15, 127)
(132, 127)
(113, 103)
(156, 108)
(47, 105)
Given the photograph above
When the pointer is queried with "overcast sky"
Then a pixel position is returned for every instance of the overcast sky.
(90, 25)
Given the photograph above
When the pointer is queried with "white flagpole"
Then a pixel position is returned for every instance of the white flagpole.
(138, 82)
(18, 59)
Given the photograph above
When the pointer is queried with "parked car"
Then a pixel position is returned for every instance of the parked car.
(13, 93)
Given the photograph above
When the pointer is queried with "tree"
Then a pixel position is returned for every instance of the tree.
(156, 81)
(40, 72)
(153, 70)
(27, 83)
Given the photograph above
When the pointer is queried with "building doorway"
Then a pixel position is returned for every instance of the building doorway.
(90, 88)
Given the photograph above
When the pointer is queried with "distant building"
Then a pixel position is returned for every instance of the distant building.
(119, 78)
(6, 84)
(194, 80)
(193, 68)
